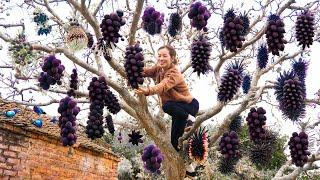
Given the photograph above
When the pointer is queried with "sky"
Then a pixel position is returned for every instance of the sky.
(202, 88)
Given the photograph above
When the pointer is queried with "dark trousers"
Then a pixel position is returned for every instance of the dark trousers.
(179, 112)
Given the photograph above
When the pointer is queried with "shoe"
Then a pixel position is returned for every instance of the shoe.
(188, 125)
(191, 174)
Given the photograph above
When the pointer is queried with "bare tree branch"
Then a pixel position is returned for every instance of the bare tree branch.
(135, 21)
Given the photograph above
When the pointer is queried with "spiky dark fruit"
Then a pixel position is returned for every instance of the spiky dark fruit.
(300, 68)
(135, 137)
(229, 145)
(275, 34)
(40, 18)
(227, 165)
(232, 31)
(97, 94)
(73, 83)
(134, 65)
(175, 24)
(298, 146)
(67, 121)
(110, 27)
(230, 81)
(200, 55)
(290, 92)
(256, 120)
(246, 24)
(198, 146)
(52, 72)
(152, 159)
(305, 29)
(152, 21)
(199, 15)
(262, 56)
(246, 84)
(236, 124)
(90, 40)
(109, 124)
(112, 103)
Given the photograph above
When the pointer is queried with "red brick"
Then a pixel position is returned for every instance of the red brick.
(10, 173)
(3, 146)
(2, 159)
(13, 161)
(10, 154)
(5, 178)
(17, 167)
(5, 166)
(1, 138)
(15, 148)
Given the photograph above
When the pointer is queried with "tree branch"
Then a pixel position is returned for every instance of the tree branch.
(135, 21)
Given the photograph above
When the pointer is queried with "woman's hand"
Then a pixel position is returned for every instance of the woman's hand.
(141, 90)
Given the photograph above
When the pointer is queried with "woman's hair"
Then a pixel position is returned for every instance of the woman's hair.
(172, 52)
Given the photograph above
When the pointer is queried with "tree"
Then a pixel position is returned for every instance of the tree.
(54, 31)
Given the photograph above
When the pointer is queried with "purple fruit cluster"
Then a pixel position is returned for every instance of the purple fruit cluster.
(152, 21)
(112, 102)
(109, 124)
(275, 34)
(134, 65)
(110, 27)
(67, 121)
(200, 55)
(305, 29)
(199, 15)
(152, 159)
(298, 146)
(229, 145)
(52, 72)
(256, 119)
(73, 83)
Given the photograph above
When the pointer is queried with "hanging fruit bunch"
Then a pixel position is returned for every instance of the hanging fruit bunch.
(233, 31)
(21, 51)
(152, 159)
(109, 124)
(200, 55)
(52, 72)
(262, 56)
(152, 21)
(198, 146)
(246, 83)
(134, 65)
(305, 29)
(68, 110)
(41, 19)
(290, 92)
(227, 166)
(256, 120)
(76, 38)
(135, 137)
(112, 102)
(230, 81)
(73, 83)
(246, 24)
(90, 40)
(229, 145)
(236, 124)
(175, 24)
(97, 93)
(275, 34)
(298, 146)
(199, 15)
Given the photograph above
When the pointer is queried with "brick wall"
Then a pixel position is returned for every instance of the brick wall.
(26, 155)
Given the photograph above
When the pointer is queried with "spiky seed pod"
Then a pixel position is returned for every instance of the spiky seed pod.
(232, 31)
(229, 145)
(227, 165)
(275, 34)
(44, 30)
(221, 38)
(200, 55)
(175, 24)
(246, 83)
(298, 146)
(109, 124)
(76, 38)
(152, 21)
(135, 137)
(90, 40)
(97, 94)
(152, 159)
(246, 24)
(67, 121)
(261, 153)
(305, 29)
(256, 120)
(300, 68)
(134, 65)
(262, 56)
(230, 81)
(199, 15)
(112, 103)
(198, 146)
(291, 92)
(236, 124)
(39, 17)
(110, 27)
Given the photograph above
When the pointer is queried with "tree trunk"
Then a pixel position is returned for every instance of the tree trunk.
(174, 167)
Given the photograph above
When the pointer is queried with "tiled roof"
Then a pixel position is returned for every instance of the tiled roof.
(24, 118)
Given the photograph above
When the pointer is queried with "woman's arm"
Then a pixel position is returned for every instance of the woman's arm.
(150, 71)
